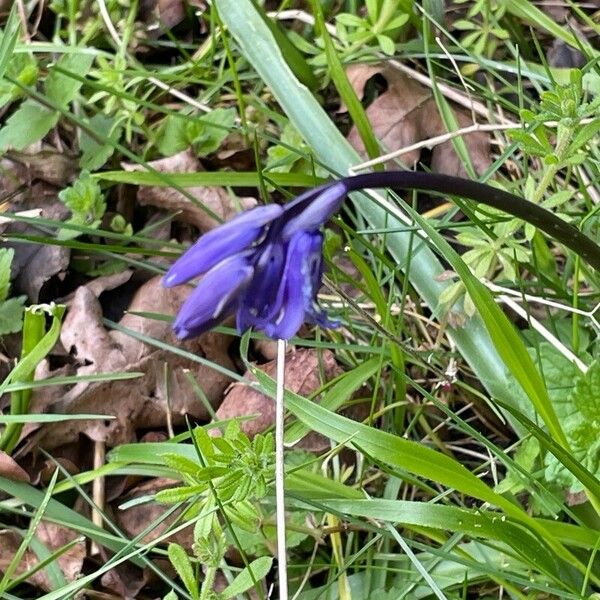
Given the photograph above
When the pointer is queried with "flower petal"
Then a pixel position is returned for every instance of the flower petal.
(312, 271)
(219, 243)
(316, 213)
(216, 296)
(262, 298)
(293, 287)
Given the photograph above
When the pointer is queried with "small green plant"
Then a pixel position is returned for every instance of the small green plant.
(382, 23)
(229, 473)
(204, 134)
(482, 26)
(86, 202)
(286, 157)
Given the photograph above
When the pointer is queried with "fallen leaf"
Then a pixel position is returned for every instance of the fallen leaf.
(302, 369)
(406, 113)
(146, 402)
(217, 199)
(49, 166)
(10, 469)
(53, 537)
(34, 264)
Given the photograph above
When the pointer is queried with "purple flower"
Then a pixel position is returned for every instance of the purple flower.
(265, 266)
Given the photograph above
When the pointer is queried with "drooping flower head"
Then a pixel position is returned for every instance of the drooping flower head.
(265, 265)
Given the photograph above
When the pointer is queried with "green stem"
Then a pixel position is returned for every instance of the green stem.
(562, 144)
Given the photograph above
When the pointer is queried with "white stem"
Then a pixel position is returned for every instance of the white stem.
(280, 473)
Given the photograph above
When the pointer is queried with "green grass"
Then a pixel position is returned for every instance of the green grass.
(471, 432)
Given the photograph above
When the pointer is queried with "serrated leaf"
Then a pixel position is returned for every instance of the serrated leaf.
(28, 124)
(244, 581)
(11, 315)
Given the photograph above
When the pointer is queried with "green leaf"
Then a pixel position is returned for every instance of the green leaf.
(232, 178)
(482, 524)
(32, 121)
(385, 447)
(172, 135)
(11, 315)
(95, 154)
(24, 69)
(28, 124)
(181, 561)
(255, 571)
(582, 427)
(208, 133)
(330, 147)
(62, 88)
(10, 36)
(337, 394)
(344, 87)
(6, 256)
(506, 339)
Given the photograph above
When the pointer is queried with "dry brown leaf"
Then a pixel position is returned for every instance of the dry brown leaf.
(302, 370)
(52, 167)
(215, 198)
(53, 537)
(139, 403)
(407, 113)
(10, 469)
(34, 264)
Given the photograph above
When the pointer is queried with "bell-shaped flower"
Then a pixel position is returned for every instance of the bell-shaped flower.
(265, 266)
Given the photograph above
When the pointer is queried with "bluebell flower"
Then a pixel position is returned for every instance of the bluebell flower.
(266, 265)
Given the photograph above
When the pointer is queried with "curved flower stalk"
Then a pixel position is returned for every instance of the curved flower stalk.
(266, 264)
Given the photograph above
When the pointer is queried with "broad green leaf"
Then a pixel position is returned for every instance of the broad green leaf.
(172, 135)
(207, 134)
(60, 87)
(28, 124)
(582, 427)
(93, 153)
(11, 315)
